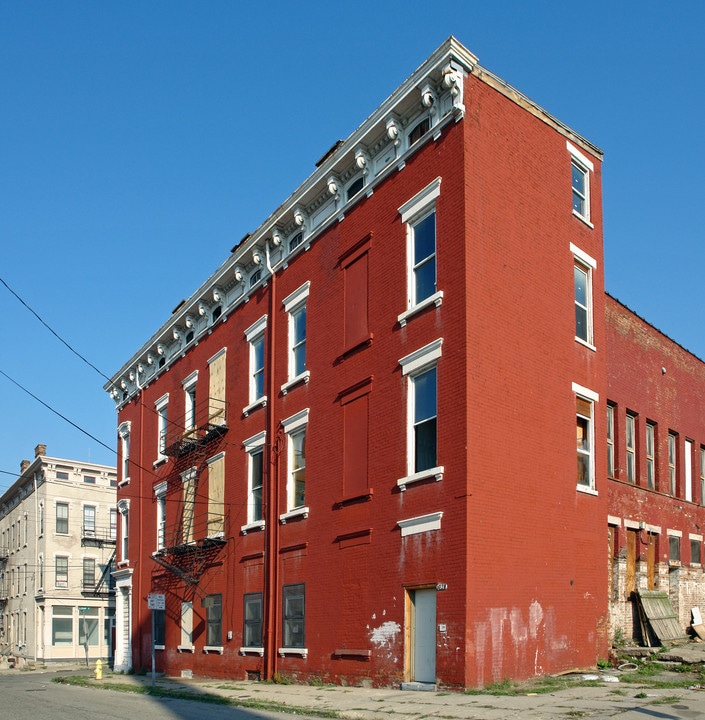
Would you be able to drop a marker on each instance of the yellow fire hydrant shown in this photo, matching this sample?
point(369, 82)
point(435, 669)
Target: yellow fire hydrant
point(98, 672)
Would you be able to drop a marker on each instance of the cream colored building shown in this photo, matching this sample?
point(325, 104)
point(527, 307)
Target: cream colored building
point(58, 527)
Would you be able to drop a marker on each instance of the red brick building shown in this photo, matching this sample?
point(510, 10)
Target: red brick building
point(656, 468)
point(350, 454)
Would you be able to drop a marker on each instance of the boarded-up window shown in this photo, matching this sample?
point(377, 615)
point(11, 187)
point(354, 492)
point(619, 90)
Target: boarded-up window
point(630, 578)
point(651, 562)
point(355, 266)
point(189, 495)
point(216, 389)
point(355, 405)
point(216, 476)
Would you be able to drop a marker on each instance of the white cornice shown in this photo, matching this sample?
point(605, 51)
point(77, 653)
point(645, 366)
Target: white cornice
point(435, 90)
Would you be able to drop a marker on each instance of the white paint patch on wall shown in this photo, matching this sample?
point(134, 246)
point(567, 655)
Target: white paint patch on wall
point(385, 634)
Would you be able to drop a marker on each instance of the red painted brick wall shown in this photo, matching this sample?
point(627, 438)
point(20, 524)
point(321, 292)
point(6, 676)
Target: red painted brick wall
point(526, 581)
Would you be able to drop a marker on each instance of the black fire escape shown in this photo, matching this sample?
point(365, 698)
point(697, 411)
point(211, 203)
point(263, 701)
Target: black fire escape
point(190, 543)
point(100, 586)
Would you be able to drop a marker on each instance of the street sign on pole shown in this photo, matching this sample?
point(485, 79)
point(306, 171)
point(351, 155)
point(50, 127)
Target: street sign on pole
point(83, 608)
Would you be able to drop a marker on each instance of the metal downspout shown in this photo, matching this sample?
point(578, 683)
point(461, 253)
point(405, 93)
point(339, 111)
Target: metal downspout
point(271, 510)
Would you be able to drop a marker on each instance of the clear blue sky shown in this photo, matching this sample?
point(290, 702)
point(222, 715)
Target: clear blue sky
point(139, 141)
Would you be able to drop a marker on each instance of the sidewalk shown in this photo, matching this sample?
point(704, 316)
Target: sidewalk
point(607, 699)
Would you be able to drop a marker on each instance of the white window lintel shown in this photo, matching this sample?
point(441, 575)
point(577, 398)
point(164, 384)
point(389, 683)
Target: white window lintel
point(580, 157)
point(422, 357)
point(422, 523)
point(293, 423)
point(257, 328)
point(297, 297)
point(421, 202)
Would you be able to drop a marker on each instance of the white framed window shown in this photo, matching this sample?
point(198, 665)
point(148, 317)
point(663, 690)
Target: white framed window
point(295, 307)
point(672, 466)
point(124, 435)
point(419, 215)
point(162, 408)
point(650, 456)
point(62, 519)
point(702, 475)
point(255, 338)
point(88, 521)
point(421, 370)
point(123, 508)
point(295, 428)
point(61, 571)
point(254, 447)
point(113, 524)
point(160, 498)
point(585, 400)
point(583, 267)
point(688, 468)
point(189, 385)
point(630, 444)
point(580, 167)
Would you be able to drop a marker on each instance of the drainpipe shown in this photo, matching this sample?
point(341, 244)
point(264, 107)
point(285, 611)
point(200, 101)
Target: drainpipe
point(271, 508)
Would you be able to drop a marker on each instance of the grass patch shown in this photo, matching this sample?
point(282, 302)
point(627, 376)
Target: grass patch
point(203, 697)
point(665, 700)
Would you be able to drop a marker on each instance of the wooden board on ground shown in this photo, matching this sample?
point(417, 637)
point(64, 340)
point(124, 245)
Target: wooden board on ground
point(656, 613)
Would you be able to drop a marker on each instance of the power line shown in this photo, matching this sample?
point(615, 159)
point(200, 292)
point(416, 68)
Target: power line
point(54, 333)
point(56, 412)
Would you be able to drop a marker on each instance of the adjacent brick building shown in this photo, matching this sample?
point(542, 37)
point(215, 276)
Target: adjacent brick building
point(350, 454)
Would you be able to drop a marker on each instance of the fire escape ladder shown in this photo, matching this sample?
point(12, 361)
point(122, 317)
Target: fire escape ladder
point(191, 543)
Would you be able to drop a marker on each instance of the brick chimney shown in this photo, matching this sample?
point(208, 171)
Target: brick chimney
point(40, 450)
point(24, 464)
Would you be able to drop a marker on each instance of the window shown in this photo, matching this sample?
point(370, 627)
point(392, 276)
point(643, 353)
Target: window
point(296, 241)
point(160, 497)
point(61, 571)
point(189, 386)
point(162, 407)
point(213, 605)
point(672, 477)
point(61, 475)
point(695, 545)
point(295, 428)
point(650, 456)
point(424, 258)
point(583, 266)
point(419, 214)
point(62, 518)
point(124, 509)
point(41, 572)
point(581, 167)
point(186, 625)
point(89, 574)
point(89, 479)
point(688, 469)
point(419, 131)
point(295, 306)
point(216, 495)
point(584, 400)
point(294, 615)
point(702, 475)
point(254, 447)
point(355, 187)
point(159, 627)
point(674, 548)
point(255, 337)
point(124, 434)
point(113, 524)
point(631, 447)
point(88, 626)
point(421, 371)
point(255, 277)
point(252, 630)
point(62, 625)
point(610, 441)
point(88, 521)
point(188, 490)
